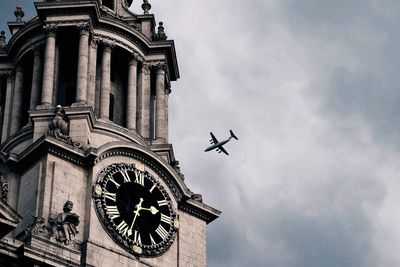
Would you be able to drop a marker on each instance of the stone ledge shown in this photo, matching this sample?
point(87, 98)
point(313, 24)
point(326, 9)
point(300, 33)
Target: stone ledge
point(44, 250)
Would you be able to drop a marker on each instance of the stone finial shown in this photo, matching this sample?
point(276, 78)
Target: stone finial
point(2, 39)
point(18, 12)
point(146, 7)
point(160, 35)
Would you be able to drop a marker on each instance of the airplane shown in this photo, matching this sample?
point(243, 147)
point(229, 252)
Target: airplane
point(218, 145)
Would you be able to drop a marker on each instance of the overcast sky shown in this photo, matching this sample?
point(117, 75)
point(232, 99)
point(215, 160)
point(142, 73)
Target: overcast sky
point(312, 90)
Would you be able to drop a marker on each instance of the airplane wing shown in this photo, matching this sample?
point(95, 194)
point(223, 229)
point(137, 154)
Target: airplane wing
point(222, 149)
point(214, 140)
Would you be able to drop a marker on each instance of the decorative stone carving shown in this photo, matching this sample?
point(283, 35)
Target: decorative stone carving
point(177, 168)
point(146, 7)
point(197, 197)
point(3, 42)
point(84, 27)
point(3, 188)
point(168, 88)
point(146, 68)
point(18, 12)
point(64, 226)
point(36, 226)
point(160, 35)
point(58, 128)
point(50, 28)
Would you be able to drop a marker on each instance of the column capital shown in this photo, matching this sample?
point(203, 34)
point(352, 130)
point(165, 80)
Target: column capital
point(84, 28)
point(106, 42)
point(37, 46)
point(136, 56)
point(6, 72)
point(161, 67)
point(50, 29)
point(145, 67)
point(94, 41)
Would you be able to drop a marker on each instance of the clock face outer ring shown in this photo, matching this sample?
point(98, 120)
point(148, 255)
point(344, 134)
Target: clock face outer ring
point(163, 240)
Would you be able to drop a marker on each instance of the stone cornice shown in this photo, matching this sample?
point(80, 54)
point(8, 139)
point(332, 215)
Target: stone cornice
point(199, 210)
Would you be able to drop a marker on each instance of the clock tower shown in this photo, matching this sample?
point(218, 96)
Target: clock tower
point(87, 174)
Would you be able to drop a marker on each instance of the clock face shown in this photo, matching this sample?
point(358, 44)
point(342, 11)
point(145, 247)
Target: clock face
point(135, 209)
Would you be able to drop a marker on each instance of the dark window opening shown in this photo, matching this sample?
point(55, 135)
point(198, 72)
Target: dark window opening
point(27, 87)
point(67, 66)
point(152, 104)
point(111, 111)
point(109, 4)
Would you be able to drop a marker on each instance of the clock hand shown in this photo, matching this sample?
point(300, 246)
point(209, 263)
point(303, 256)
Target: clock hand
point(152, 209)
point(138, 207)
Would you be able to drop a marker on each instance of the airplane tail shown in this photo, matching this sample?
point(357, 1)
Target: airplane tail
point(233, 135)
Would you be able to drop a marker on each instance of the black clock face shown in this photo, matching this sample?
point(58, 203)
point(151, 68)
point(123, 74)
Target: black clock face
point(135, 209)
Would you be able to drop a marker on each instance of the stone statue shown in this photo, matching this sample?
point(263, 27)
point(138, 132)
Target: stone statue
point(64, 226)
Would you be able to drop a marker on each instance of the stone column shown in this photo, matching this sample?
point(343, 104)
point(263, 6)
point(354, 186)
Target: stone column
point(56, 76)
point(48, 70)
point(131, 95)
point(144, 101)
point(160, 118)
point(17, 99)
point(105, 82)
point(83, 59)
point(7, 106)
point(91, 87)
point(36, 78)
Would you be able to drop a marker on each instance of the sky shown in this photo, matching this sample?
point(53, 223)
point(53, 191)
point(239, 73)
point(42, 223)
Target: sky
point(312, 90)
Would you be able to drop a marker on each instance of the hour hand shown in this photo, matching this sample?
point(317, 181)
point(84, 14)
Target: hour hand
point(152, 209)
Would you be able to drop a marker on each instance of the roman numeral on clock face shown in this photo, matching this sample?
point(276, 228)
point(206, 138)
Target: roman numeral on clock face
point(152, 241)
point(162, 232)
point(113, 212)
point(123, 228)
point(125, 175)
point(112, 180)
point(110, 195)
point(139, 177)
point(166, 219)
point(162, 202)
point(136, 237)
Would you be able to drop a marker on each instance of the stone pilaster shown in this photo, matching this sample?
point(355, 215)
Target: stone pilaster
point(48, 70)
point(36, 77)
point(7, 107)
point(160, 119)
point(105, 82)
point(16, 114)
point(83, 59)
point(144, 100)
point(131, 94)
point(91, 86)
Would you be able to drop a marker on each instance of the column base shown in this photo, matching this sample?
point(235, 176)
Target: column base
point(159, 140)
point(79, 104)
point(44, 106)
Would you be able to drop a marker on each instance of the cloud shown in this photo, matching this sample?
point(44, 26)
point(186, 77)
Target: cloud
point(311, 90)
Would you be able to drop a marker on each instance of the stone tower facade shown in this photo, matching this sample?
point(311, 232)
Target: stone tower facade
point(87, 175)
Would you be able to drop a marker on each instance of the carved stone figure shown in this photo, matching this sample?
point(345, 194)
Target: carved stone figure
point(64, 226)
point(58, 128)
point(59, 123)
point(36, 226)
